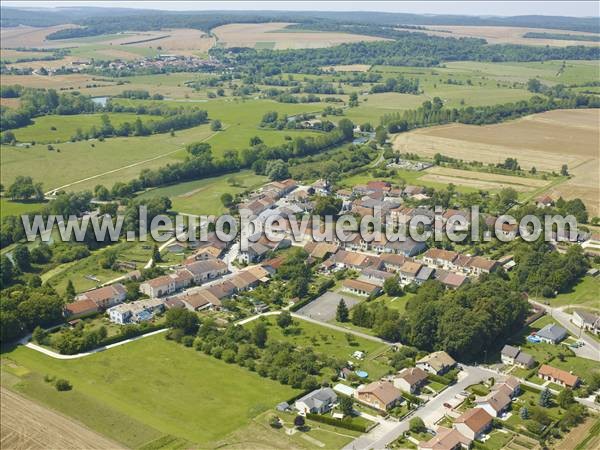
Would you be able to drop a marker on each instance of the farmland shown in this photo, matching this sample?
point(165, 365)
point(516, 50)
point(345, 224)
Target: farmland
point(26, 424)
point(182, 395)
point(546, 141)
point(275, 36)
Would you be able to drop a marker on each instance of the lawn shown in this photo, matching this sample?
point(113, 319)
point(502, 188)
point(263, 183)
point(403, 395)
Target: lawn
point(498, 439)
point(56, 128)
point(204, 196)
point(332, 343)
point(586, 292)
point(137, 392)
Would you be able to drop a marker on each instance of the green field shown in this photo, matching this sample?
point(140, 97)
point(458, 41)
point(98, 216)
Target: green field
point(137, 392)
point(123, 158)
point(241, 118)
point(585, 293)
point(41, 130)
point(204, 196)
point(13, 208)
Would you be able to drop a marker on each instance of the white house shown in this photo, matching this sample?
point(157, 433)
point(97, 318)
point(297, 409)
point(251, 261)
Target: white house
point(135, 312)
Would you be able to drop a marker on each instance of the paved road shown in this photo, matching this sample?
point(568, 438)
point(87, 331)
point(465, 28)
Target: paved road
point(432, 411)
point(591, 349)
point(25, 341)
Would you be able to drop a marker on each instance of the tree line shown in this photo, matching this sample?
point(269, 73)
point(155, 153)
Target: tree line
point(434, 113)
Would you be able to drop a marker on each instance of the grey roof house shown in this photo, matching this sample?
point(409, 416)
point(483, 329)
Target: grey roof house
point(552, 333)
point(316, 402)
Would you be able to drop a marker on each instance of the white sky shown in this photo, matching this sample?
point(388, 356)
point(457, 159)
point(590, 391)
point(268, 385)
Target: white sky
point(498, 8)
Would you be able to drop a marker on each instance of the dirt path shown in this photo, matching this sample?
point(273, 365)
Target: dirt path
point(27, 425)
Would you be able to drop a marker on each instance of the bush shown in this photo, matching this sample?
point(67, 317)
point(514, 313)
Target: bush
point(62, 385)
point(347, 424)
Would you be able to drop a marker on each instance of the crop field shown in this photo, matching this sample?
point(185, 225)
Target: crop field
point(79, 165)
point(482, 180)
point(546, 141)
point(349, 68)
point(65, 127)
point(550, 72)
point(25, 36)
point(249, 35)
point(80, 82)
point(28, 425)
point(204, 196)
point(184, 393)
point(506, 35)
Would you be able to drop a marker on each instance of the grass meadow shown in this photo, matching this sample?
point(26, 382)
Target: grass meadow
point(55, 128)
point(204, 196)
point(150, 388)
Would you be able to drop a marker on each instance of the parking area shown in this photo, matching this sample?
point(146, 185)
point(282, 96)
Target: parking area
point(324, 307)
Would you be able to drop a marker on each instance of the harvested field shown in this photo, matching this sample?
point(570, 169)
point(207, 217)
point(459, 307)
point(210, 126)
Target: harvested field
point(23, 36)
point(27, 425)
point(10, 102)
point(482, 180)
point(506, 35)
point(349, 68)
point(75, 81)
point(180, 41)
point(546, 141)
point(249, 34)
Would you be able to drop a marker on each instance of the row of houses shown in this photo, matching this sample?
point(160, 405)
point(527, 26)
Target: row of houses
point(210, 297)
point(266, 197)
point(197, 272)
point(459, 263)
point(96, 300)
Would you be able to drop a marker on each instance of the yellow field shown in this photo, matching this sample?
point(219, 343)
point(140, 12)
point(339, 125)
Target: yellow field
point(506, 35)
point(28, 425)
point(251, 34)
point(349, 68)
point(24, 36)
point(482, 180)
point(546, 141)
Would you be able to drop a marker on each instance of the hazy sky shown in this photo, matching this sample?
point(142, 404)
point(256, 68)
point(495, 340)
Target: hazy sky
point(498, 8)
